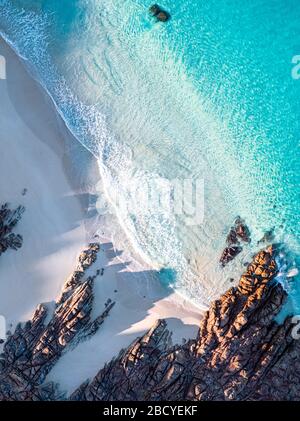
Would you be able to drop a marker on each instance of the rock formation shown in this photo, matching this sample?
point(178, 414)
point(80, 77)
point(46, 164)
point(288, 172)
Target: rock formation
point(35, 347)
point(240, 352)
point(239, 232)
point(8, 220)
point(159, 13)
point(229, 253)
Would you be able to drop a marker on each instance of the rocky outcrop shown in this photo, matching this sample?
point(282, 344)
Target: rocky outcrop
point(35, 347)
point(240, 353)
point(238, 233)
point(159, 13)
point(85, 260)
point(8, 220)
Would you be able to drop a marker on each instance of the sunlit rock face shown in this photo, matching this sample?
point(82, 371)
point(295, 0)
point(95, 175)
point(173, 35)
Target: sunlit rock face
point(35, 347)
point(240, 353)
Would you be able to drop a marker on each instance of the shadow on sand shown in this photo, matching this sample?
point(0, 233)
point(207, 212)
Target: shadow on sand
point(140, 299)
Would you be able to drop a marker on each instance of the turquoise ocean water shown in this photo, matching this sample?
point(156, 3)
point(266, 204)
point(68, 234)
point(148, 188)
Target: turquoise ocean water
point(208, 96)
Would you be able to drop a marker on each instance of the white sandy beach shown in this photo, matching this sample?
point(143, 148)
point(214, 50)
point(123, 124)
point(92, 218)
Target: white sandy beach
point(54, 231)
point(52, 225)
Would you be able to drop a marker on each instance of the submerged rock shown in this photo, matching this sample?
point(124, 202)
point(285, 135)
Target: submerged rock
point(160, 14)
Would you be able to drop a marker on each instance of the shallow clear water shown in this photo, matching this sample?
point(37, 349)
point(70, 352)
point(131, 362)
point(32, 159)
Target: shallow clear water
point(208, 96)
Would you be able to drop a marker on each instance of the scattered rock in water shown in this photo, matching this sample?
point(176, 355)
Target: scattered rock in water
point(229, 254)
point(154, 9)
point(232, 237)
point(242, 231)
point(160, 14)
point(102, 272)
point(163, 17)
point(238, 232)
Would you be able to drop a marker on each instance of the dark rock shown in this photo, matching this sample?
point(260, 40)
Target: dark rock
point(232, 237)
point(242, 231)
point(154, 9)
point(238, 232)
point(160, 14)
point(8, 220)
point(163, 16)
point(229, 254)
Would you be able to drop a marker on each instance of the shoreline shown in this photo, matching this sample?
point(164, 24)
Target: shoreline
point(141, 298)
point(86, 187)
point(33, 175)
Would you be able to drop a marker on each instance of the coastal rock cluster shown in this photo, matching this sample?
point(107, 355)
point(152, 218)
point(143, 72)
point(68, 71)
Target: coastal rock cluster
point(240, 352)
point(8, 220)
point(238, 233)
point(35, 347)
